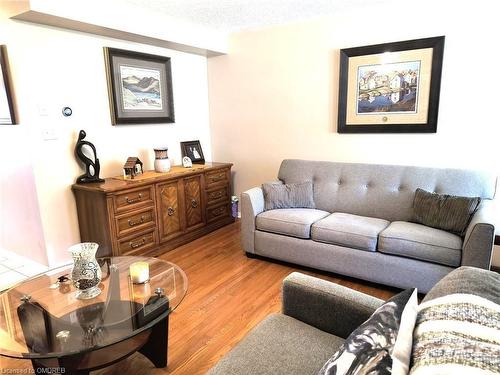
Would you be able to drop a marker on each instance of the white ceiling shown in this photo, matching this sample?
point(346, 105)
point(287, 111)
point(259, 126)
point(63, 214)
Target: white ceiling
point(236, 15)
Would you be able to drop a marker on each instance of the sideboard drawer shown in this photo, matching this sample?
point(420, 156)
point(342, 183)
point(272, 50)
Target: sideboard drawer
point(139, 243)
point(217, 212)
point(216, 177)
point(134, 198)
point(135, 221)
point(217, 195)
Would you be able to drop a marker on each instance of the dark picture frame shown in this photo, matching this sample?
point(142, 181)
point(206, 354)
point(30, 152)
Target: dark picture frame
point(7, 111)
point(193, 150)
point(139, 87)
point(391, 87)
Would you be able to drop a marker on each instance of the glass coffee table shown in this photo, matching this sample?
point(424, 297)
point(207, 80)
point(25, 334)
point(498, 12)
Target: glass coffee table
point(42, 320)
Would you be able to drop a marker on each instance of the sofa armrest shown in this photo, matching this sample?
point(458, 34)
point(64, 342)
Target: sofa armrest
point(479, 237)
point(252, 204)
point(327, 306)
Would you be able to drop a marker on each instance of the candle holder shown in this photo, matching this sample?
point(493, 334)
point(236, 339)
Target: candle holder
point(139, 272)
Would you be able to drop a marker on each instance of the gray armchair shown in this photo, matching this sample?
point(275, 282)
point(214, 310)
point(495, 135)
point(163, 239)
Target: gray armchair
point(316, 318)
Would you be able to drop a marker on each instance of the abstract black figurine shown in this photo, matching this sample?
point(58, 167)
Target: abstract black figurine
point(92, 166)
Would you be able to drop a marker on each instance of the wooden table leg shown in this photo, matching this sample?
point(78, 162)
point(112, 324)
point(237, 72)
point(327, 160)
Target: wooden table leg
point(156, 348)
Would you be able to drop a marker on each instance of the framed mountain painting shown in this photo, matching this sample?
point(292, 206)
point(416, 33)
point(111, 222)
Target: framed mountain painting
point(140, 87)
point(390, 88)
point(7, 113)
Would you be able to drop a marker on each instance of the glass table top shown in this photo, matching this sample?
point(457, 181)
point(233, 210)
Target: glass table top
point(42, 318)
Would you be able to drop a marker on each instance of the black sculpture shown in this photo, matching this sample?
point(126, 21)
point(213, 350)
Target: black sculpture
point(92, 167)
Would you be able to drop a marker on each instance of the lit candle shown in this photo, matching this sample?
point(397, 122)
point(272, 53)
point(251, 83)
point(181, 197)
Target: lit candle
point(139, 272)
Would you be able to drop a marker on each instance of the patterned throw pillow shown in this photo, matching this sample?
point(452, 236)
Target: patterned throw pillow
point(382, 344)
point(441, 211)
point(297, 195)
point(457, 334)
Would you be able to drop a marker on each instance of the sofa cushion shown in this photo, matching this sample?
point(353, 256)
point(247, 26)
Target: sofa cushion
point(294, 222)
point(468, 280)
point(421, 242)
point(359, 232)
point(279, 345)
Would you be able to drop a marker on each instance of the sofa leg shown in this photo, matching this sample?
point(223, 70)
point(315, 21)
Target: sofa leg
point(250, 255)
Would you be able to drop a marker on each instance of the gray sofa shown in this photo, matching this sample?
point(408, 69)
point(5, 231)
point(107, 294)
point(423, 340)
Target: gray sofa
point(361, 225)
point(317, 316)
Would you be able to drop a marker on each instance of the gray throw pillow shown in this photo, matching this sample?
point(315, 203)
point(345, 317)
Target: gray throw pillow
point(297, 195)
point(441, 211)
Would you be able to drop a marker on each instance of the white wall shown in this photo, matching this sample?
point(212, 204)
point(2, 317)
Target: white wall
point(277, 90)
point(274, 96)
point(20, 221)
point(52, 68)
point(495, 260)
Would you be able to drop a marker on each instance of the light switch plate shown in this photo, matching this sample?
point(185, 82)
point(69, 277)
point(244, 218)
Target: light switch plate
point(49, 134)
point(43, 110)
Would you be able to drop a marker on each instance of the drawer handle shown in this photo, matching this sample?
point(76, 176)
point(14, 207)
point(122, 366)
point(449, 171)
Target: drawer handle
point(135, 245)
point(218, 211)
point(194, 204)
point(170, 211)
point(137, 222)
point(134, 200)
point(219, 177)
point(216, 195)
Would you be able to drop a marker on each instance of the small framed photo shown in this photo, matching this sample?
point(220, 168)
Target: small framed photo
point(139, 87)
point(192, 149)
point(186, 162)
point(7, 113)
point(391, 87)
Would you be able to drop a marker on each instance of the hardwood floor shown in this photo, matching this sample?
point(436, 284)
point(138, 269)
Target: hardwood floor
point(228, 295)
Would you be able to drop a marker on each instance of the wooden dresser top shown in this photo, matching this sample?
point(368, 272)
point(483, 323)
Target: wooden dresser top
point(118, 183)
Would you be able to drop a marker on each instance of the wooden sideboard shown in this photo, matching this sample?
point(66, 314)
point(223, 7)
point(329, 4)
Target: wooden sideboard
point(154, 212)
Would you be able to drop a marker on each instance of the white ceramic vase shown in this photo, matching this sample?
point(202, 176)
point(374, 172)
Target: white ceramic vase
point(162, 165)
point(162, 162)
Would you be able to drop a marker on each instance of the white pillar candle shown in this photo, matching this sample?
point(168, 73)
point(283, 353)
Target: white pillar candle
point(139, 272)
